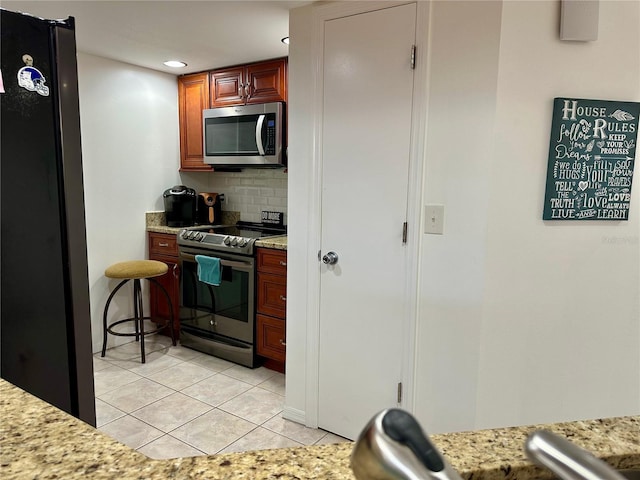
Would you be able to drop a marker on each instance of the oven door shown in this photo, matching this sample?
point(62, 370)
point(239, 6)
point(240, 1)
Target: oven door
point(226, 310)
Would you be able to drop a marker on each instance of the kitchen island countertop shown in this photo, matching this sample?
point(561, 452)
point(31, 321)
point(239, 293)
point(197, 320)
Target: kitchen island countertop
point(39, 441)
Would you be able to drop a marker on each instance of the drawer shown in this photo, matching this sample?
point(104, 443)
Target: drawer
point(272, 261)
point(163, 244)
point(271, 339)
point(272, 294)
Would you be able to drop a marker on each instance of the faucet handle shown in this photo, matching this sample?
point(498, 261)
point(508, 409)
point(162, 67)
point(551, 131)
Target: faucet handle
point(392, 446)
point(404, 429)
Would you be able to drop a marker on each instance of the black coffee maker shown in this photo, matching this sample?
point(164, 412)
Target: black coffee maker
point(180, 206)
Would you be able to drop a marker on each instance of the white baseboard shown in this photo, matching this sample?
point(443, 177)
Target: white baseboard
point(295, 415)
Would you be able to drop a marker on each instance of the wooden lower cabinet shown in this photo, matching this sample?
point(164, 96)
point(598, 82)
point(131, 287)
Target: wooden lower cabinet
point(271, 307)
point(271, 337)
point(163, 247)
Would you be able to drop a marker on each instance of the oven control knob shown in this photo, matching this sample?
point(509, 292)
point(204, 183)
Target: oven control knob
point(184, 233)
point(227, 240)
point(234, 242)
point(199, 236)
point(243, 242)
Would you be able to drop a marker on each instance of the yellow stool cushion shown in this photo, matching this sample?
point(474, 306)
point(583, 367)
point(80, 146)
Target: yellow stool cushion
point(136, 269)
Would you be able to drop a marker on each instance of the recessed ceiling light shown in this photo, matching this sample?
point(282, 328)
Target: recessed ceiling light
point(285, 40)
point(175, 63)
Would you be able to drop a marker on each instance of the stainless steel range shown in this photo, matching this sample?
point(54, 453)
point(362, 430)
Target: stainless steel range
point(220, 320)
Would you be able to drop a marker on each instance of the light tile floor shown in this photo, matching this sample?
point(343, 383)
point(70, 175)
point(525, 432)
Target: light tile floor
point(183, 403)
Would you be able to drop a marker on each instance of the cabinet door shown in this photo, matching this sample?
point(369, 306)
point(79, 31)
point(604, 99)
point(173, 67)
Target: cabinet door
point(267, 82)
point(163, 244)
point(227, 87)
point(157, 300)
point(271, 340)
point(163, 247)
point(272, 261)
point(272, 294)
point(193, 98)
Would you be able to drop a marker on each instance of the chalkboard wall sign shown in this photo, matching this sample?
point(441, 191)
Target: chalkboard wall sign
point(591, 157)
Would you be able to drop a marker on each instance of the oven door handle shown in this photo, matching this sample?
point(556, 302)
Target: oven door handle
point(224, 263)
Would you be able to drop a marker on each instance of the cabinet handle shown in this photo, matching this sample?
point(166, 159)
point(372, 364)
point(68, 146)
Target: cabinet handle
point(283, 343)
point(175, 271)
point(284, 264)
point(283, 298)
point(163, 244)
point(247, 90)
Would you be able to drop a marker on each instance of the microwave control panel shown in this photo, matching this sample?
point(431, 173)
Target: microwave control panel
point(270, 133)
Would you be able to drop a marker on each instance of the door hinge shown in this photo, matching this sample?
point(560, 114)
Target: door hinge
point(413, 57)
point(400, 392)
point(404, 232)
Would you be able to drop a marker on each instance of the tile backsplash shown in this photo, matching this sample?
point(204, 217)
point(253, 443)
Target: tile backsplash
point(249, 192)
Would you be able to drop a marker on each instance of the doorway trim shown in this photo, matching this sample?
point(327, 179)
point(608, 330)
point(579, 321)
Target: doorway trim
point(320, 15)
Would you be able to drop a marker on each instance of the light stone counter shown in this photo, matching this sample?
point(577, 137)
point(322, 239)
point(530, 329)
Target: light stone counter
point(156, 222)
point(278, 243)
point(38, 441)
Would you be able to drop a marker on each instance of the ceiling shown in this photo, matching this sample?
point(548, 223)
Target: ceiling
point(205, 34)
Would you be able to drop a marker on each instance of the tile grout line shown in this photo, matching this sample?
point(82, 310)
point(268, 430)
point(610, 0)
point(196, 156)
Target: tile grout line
point(165, 350)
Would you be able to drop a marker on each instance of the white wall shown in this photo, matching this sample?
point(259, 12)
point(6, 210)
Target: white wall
point(520, 321)
point(130, 149)
point(561, 317)
point(301, 145)
point(462, 79)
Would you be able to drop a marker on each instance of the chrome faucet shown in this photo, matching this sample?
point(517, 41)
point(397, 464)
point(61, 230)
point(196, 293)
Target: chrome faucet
point(393, 447)
point(565, 459)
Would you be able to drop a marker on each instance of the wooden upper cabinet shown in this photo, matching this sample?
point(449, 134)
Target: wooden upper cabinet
point(227, 87)
point(193, 98)
point(267, 82)
point(261, 82)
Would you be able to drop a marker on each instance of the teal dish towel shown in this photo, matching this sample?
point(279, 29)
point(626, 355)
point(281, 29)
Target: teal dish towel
point(209, 269)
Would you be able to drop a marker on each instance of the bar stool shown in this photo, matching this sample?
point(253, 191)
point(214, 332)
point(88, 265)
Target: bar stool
point(136, 270)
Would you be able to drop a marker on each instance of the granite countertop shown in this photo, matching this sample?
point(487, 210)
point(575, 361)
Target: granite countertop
point(278, 243)
point(39, 441)
point(163, 229)
point(156, 222)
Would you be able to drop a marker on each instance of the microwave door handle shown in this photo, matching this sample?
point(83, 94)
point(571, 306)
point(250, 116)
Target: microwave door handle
point(259, 126)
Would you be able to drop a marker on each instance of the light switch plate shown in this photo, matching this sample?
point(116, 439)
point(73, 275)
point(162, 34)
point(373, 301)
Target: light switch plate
point(434, 219)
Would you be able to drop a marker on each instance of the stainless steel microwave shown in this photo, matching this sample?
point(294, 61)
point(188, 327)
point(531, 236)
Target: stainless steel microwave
point(244, 136)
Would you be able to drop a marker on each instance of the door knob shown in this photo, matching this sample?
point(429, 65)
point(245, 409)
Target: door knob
point(330, 258)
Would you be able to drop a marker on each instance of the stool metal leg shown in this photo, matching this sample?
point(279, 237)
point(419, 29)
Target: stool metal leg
point(136, 309)
point(139, 318)
point(104, 315)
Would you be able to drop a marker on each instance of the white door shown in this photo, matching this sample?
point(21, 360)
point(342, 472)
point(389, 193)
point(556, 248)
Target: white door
point(366, 134)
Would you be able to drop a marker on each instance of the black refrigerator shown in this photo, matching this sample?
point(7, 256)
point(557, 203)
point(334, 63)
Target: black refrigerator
point(45, 329)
